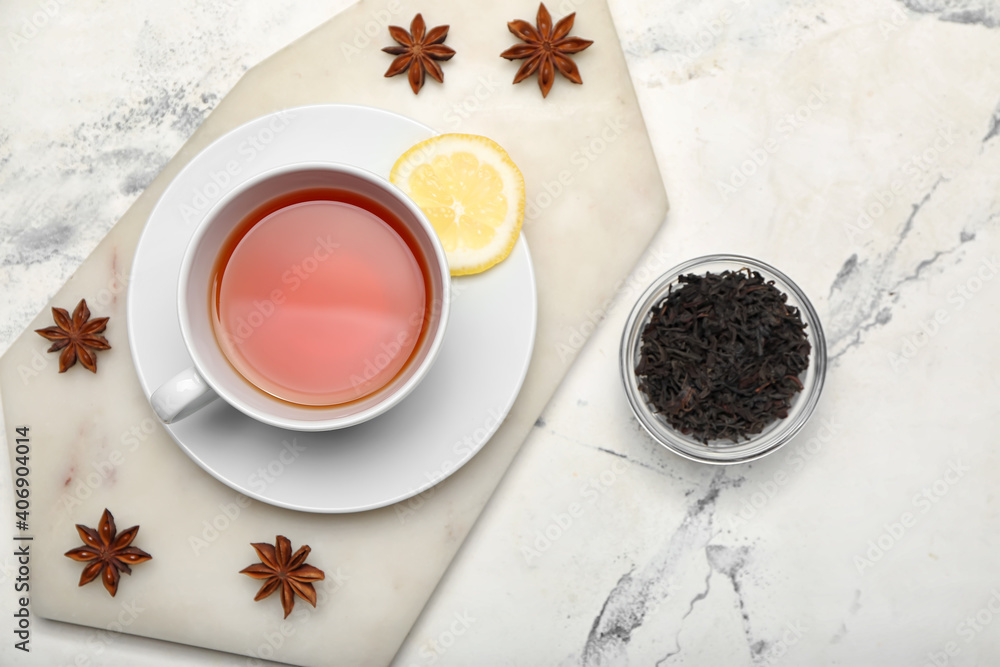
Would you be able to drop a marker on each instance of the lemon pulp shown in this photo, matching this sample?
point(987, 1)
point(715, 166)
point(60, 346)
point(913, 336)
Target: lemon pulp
point(472, 193)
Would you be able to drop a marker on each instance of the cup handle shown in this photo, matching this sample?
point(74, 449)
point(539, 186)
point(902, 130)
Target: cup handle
point(181, 396)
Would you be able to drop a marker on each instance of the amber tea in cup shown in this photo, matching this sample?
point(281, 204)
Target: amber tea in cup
point(318, 296)
point(312, 296)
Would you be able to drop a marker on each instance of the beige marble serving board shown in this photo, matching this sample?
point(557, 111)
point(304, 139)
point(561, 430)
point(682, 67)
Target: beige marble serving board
point(595, 198)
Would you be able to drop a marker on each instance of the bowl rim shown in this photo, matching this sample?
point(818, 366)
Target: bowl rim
point(759, 445)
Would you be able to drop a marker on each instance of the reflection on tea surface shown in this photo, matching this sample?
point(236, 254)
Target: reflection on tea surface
point(321, 300)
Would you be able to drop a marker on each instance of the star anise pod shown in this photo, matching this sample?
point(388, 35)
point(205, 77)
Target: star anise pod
point(278, 566)
point(76, 336)
point(108, 552)
point(546, 49)
point(418, 52)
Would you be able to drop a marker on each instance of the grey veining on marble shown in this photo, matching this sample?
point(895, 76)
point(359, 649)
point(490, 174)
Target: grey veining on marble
point(985, 12)
point(854, 145)
point(97, 97)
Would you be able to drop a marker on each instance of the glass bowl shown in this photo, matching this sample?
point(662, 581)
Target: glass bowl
point(778, 432)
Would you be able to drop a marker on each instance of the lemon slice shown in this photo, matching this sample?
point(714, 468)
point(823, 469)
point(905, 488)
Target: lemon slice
point(472, 193)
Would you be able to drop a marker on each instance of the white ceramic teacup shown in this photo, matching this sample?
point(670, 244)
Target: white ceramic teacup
point(213, 376)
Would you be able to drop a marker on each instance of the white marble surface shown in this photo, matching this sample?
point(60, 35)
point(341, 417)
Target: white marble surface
point(886, 107)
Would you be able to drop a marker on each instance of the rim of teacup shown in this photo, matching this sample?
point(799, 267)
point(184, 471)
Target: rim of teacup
point(385, 402)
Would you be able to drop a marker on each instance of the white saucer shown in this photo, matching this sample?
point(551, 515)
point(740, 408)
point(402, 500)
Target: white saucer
point(432, 433)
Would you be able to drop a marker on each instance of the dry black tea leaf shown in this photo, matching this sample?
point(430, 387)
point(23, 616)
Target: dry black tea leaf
point(721, 356)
